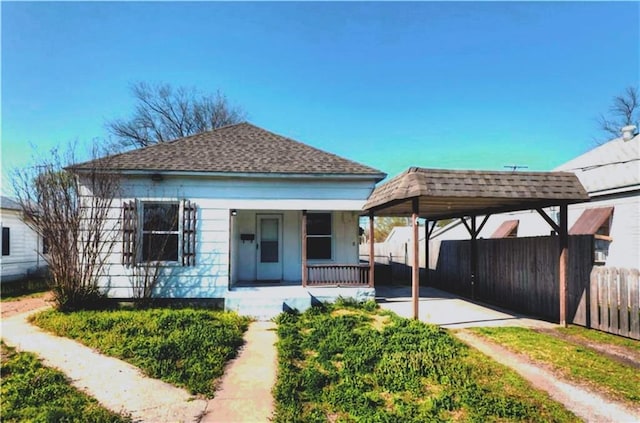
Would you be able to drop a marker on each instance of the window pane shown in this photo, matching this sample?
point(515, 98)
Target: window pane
point(269, 229)
point(269, 251)
point(160, 247)
point(319, 224)
point(5, 241)
point(319, 248)
point(160, 217)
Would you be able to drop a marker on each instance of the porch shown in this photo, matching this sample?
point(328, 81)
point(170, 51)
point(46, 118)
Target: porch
point(295, 248)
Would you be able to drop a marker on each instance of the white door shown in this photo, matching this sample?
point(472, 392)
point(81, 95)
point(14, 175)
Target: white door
point(269, 251)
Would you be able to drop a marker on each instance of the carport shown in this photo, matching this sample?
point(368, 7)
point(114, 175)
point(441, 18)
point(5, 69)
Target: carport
point(437, 194)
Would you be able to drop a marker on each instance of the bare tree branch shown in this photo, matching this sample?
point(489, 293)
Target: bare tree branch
point(624, 111)
point(70, 212)
point(163, 113)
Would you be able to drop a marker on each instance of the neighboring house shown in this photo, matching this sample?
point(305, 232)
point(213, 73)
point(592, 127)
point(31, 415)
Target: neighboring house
point(22, 248)
point(611, 175)
point(238, 209)
point(396, 247)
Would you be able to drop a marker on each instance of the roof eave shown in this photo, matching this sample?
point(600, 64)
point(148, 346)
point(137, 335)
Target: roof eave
point(267, 175)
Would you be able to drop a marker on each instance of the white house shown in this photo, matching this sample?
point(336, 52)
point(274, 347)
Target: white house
point(235, 212)
point(611, 175)
point(22, 248)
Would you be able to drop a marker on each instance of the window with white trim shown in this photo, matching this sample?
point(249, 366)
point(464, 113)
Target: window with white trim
point(154, 231)
point(160, 231)
point(319, 236)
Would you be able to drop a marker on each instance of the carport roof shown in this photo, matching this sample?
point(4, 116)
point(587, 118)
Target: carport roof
point(446, 194)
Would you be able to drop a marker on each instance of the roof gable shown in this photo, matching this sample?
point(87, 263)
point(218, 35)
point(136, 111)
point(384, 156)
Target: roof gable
point(239, 148)
point(443, 193)
point(613, 165)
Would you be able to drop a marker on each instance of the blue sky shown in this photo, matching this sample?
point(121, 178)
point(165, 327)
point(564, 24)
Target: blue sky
point(391, 85)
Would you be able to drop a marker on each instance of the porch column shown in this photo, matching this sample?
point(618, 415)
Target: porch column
point(372, 251)
point(415, 267)
point(563, 265)
point(304, 248)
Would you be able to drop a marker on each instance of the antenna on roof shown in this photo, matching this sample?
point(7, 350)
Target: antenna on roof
point(515, 167)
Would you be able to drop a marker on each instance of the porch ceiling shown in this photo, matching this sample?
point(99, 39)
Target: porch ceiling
point(443, 194)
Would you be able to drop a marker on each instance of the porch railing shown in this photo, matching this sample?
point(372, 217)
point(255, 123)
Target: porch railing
point(338, 274)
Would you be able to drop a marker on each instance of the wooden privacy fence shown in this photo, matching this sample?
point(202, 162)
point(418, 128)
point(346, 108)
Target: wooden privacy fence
point(615, 301)
point(520, 274)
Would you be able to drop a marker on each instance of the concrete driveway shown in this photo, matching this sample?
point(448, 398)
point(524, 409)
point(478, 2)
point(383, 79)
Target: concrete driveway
point(450, 311)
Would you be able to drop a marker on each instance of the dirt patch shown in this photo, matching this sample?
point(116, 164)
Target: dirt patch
point(618, 353)
point(11, 308)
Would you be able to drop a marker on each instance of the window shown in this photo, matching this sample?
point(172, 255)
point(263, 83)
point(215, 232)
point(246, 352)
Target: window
point(5, 241)
point(319, 236)
point(168, 232)
point(45, 246)
point(160, 231)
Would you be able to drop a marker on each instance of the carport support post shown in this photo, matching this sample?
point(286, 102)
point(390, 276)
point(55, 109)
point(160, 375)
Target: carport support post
point(474, 256)
point(563, 265)
point(415, 269)
point(372, 251)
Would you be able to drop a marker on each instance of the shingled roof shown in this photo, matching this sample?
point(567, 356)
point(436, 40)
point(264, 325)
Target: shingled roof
point(239, 148)
point(455, 193)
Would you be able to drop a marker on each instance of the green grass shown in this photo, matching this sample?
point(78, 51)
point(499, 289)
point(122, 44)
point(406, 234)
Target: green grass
point(33, 392)
point(600, 337)
point(574, 361)
point(23, 296)
point(186, 347)
point(29, 288)
point(349, 363)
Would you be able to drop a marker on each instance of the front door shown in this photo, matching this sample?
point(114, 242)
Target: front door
point(269, 248)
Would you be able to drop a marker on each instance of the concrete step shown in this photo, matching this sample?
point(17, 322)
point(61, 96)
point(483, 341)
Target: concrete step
point(264, 307)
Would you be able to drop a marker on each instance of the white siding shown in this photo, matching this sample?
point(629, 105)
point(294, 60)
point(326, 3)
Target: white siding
point(23, 258)
point(215, 238)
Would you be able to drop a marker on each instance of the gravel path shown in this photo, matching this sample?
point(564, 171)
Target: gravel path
point(584, 403)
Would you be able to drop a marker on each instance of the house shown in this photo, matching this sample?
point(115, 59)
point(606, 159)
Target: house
point(22, 247)
point(611, 175)
point(238, 214)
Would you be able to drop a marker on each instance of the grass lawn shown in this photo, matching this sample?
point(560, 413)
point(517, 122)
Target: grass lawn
point(33, 392)
point(574, 361)
point(350, 363)
point(600, 337)
point(22, 296)
point(17, 290)
point(186, 347)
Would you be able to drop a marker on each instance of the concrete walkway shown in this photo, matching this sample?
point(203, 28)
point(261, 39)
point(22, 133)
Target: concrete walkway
point(117, 385)
point(450, 311)
point(245, 392)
